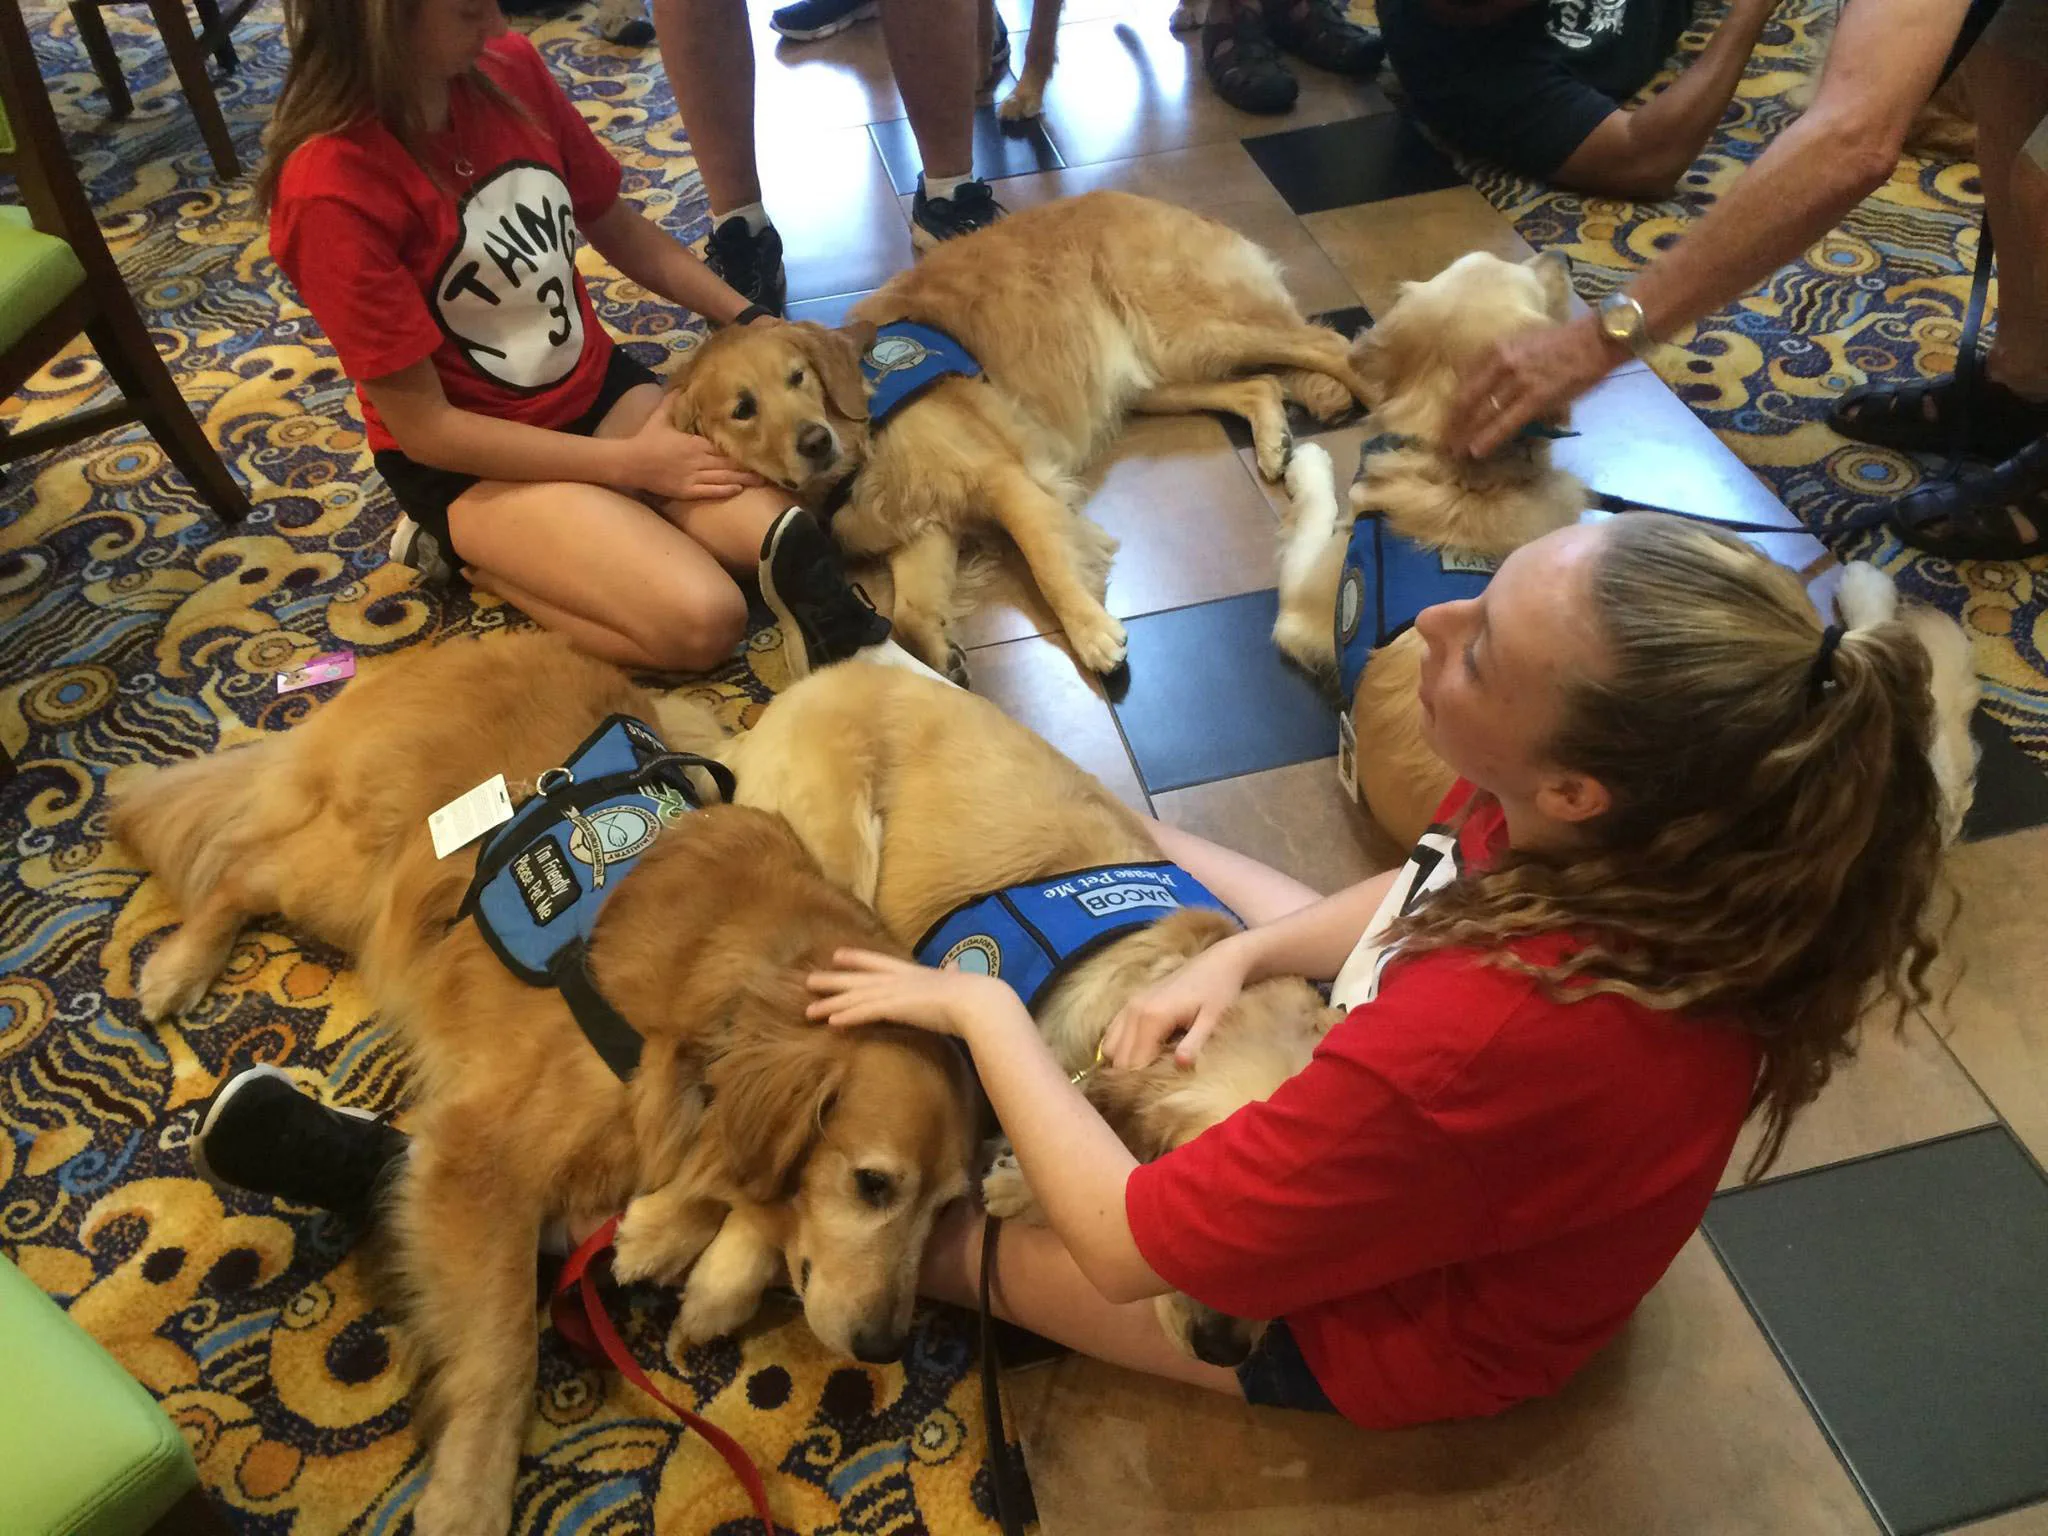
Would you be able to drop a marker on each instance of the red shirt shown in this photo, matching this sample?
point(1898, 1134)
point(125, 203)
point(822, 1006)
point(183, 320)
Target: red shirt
point(477, 272)
point(1468, 1189)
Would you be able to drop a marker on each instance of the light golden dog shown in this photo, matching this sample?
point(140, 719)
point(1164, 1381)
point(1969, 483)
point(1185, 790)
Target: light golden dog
point(1079, 312)
point(929, 797)
point(1410, 361)
point(748, 1135)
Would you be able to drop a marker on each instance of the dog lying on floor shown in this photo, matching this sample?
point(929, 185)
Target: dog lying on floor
point(932, 798)
point(1424, 526)
point(1015, 353)
point(749, 1135)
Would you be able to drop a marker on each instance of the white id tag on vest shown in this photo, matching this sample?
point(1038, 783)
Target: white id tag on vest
point(468, 817)
point(1347, 754)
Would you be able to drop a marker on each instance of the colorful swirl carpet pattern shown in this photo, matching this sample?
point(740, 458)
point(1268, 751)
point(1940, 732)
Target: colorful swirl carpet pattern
point(133, 633)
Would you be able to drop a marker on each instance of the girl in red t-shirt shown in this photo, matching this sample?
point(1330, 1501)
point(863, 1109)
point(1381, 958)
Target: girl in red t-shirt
point(428, 183)
point(1698, 830)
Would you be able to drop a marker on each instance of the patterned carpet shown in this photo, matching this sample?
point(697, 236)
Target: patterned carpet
point(132, 633)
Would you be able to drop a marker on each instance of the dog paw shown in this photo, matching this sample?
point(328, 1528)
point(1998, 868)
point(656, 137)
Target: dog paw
point(1099, 643)
point(1311, 474)
point(644, 1251)
point(956, 668)
point(713, 1311)
point(1021, 105)
point(1006, 1194)
point(170, 982)
point(1276, 452)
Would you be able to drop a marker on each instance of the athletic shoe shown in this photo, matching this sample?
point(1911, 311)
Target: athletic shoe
point(412, 545)
point(262, 1134)
point(625, 23)
point(971, 206)
point(809, 20)
point(824, 617)
point(751, 264)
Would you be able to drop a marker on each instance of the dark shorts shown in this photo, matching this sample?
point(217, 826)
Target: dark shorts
point(425, 493)
point(1511, 93)
point(1277, 1377)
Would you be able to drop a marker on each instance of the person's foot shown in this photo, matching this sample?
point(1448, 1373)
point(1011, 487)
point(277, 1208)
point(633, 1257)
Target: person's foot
point(968, 207)
point(412, 545)
point(751, 264)
point(824, 617)
point(261, 1134)
point(1319, 33)
point(1932, 416)
point(808, 20)
point(1243, 65)
point(1999, 515)
point(998, 56)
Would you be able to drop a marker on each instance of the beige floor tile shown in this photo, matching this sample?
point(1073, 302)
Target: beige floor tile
point(842, 231)
point(1038, 683)
point(841, 81)
point(1997, 965)
point(1127, 88)
point(1901, 1088)
point(1686, 1426)
point(1379, 246)
point(1296, 819)
point(2031, 1521)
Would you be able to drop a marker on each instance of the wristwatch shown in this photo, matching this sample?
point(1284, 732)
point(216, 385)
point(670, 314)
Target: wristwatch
point(1621, 320)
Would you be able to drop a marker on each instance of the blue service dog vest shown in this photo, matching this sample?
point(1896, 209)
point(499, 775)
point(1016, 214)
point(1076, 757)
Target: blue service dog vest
point(905, 360)
point(1030, 935)
point(543, 878)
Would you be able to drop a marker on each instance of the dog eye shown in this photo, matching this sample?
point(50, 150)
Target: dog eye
point(878, 1189)
point(796, 379)
point(743, 408)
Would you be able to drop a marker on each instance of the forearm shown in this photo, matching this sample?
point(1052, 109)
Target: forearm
point(446, 437)
point(645, 253)
point(1076, 1166)
point(1673, 126)
point(1316, 940)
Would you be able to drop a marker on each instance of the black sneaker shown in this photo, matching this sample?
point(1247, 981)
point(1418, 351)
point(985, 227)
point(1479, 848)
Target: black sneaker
point(625, 23)
point(260, 1133)
point(751, 264)
point(971, 206)
point(413, 546)
point(824, 617)
point(809, 20)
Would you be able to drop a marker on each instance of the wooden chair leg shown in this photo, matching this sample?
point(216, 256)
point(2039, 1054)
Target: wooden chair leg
point(131, 358)
point(182, 45)
point(224, 50)
point(192, 1515)
point(92, 31)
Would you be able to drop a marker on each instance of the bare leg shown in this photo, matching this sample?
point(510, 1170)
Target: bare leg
point(708, 54)
point(1038, 1285)
point(1254, 891)
point(931, 49)
point(2009, 97)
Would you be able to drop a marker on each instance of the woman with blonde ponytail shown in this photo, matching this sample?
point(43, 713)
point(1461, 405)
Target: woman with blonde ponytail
point(1695, 838)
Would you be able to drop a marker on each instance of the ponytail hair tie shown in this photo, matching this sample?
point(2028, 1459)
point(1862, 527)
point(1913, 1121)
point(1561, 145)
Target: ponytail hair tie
point(1824, 662)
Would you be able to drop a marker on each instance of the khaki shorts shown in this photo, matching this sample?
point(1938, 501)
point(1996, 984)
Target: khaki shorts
point(2020, 29)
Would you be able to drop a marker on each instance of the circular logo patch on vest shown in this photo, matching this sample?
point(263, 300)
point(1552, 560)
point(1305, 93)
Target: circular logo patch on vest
point(893, 354)
point(977, 955)
point(1350, 604)
point(623, 830)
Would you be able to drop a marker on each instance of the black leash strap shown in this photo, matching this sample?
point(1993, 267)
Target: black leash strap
point(1004, 1459)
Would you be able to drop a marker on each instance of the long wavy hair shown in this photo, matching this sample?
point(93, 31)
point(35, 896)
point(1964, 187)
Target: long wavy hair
point(1773, 848)
point(350, 61)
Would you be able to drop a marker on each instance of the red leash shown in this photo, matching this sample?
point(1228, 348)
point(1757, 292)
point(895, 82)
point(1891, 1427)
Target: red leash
point(591, 1331)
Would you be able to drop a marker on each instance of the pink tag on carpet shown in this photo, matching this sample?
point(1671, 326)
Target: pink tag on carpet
point(328, 667)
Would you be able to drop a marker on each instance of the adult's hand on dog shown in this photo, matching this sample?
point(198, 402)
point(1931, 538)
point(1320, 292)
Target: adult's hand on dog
point(678, 465)
point(1530, 377)
point(871, 988)
point(1188, 1003)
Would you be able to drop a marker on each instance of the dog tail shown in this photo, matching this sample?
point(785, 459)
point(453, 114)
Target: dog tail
point(193, 822)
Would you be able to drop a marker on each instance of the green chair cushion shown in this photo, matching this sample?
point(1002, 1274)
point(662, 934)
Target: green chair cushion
point(84, 1450)
point(37, 273)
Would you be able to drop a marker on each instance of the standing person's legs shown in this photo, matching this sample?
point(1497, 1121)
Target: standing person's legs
point(2007, 80)
point(932, 47)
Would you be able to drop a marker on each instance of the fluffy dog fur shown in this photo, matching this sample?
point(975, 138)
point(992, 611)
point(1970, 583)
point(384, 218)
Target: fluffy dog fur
point(747, 1134)
point(1410, 362)
point(930, 796)
point(1079, 312)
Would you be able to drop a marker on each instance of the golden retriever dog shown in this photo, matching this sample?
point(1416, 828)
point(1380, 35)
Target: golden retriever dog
point(1410, 362)
point(1079, 313)
point(747, 1139)
point(929, 797)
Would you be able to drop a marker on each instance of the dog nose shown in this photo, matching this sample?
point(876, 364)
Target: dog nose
point(1220, 1340)
point(877, 1346)
point(814, 440)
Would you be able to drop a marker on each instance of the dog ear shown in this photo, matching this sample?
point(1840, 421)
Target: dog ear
point(680, 404)
point(1553, 269)
point(769, 1097)
point(1377, 358)
point(836, 355)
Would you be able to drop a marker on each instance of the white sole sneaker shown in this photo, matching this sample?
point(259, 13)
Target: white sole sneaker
point(227, 1091)
point(852, 18)
point(890, 654)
